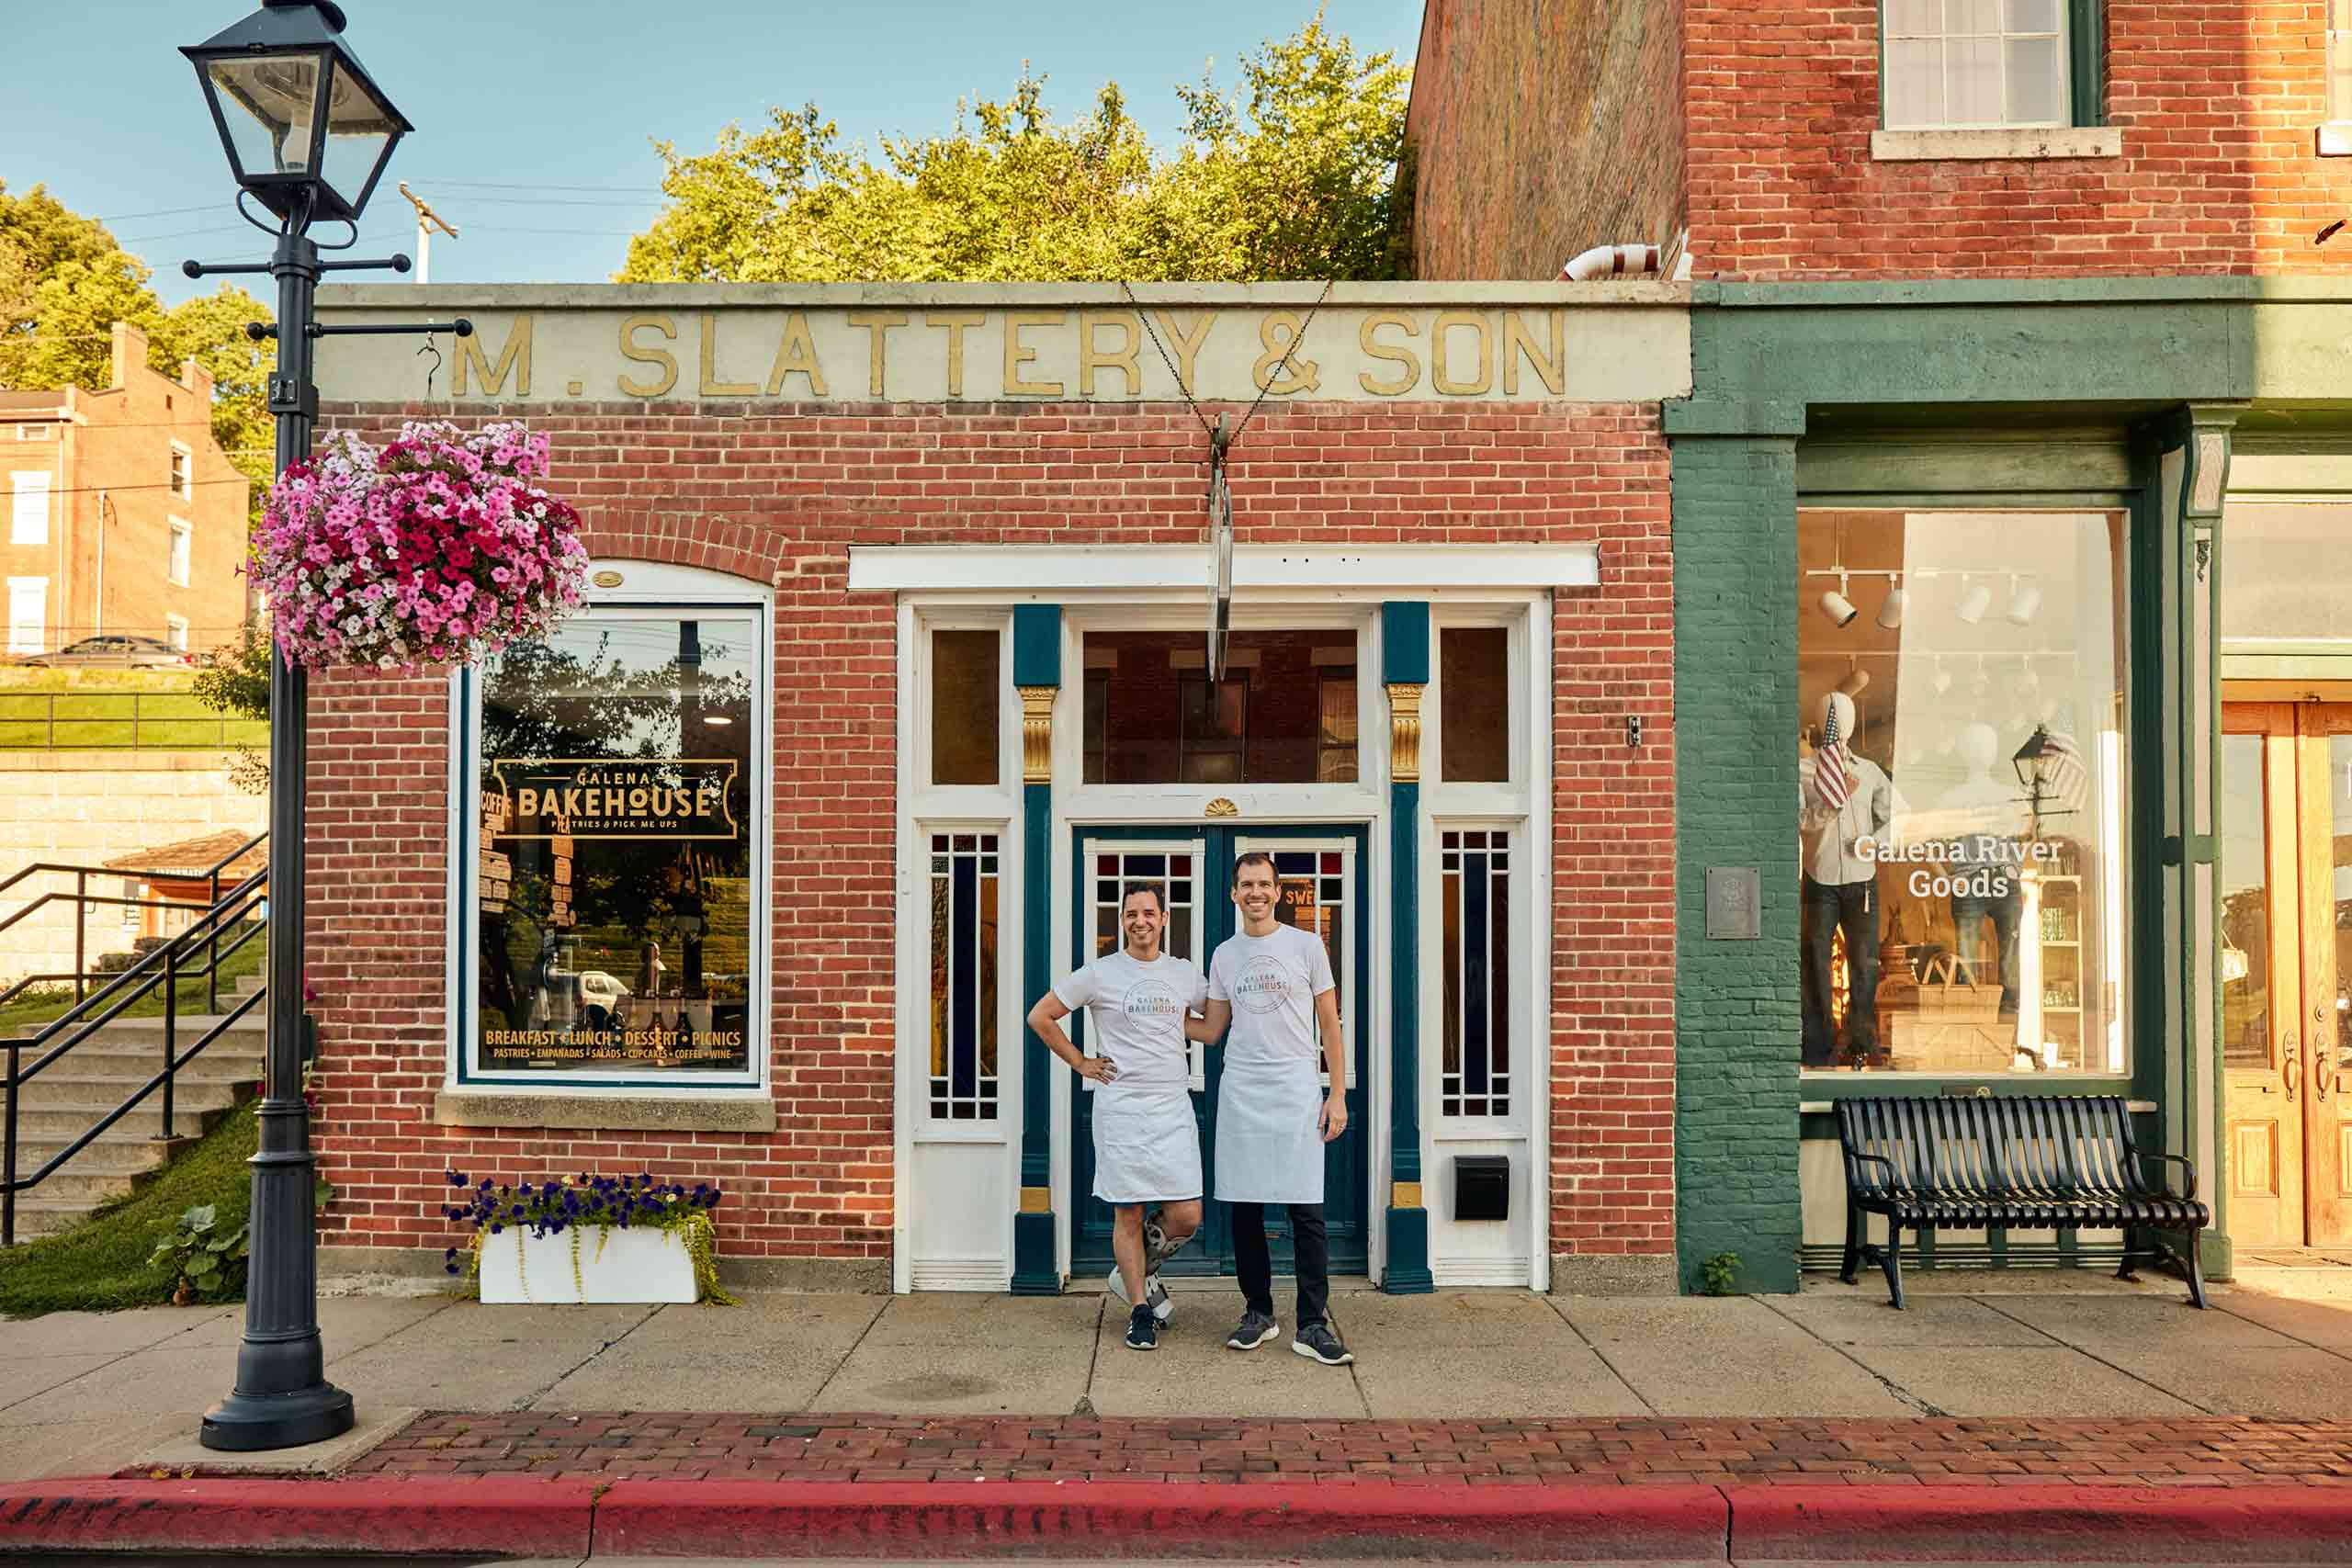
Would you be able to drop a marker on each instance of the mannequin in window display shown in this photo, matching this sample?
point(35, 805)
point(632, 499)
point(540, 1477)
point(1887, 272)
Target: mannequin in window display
point(1842, 818)
point(1981, 815)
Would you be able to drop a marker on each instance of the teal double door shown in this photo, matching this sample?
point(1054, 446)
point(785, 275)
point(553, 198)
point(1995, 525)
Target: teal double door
point(1322, 874)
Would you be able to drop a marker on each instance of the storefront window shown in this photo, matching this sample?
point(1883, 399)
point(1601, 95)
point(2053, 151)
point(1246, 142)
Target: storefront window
point(1960, 780)
point(618, 813)
point(1285, 711)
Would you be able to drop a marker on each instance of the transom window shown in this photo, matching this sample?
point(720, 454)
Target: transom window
point(1975, 62)
point(1284, 711)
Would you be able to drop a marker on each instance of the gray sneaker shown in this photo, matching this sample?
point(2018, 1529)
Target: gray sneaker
point(1163, 1306)
point(1316, 1342)
point(1254, 1329)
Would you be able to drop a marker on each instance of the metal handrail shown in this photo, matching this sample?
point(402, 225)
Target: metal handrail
point(197, 949)
point(83, 898)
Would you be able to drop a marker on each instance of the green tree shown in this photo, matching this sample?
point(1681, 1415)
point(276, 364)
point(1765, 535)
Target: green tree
point(64, 282)
point(1290, 175)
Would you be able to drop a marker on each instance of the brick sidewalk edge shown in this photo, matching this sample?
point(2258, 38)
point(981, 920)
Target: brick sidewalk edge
point(1664, 1523)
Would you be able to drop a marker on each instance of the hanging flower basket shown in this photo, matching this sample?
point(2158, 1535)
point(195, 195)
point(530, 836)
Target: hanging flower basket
point(437, 548)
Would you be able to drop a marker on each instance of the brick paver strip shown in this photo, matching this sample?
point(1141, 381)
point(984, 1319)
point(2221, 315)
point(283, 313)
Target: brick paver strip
point(2213, 1451)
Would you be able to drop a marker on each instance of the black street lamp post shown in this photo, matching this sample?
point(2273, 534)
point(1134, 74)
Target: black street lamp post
point(308, 136)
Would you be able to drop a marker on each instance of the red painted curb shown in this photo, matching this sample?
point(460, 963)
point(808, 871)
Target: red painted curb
point(924, 1521)
point(2055, 1523)
point(537, 1519)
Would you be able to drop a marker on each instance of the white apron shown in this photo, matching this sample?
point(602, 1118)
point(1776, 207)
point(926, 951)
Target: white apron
point(1147, 1145)
point(1269, 1140)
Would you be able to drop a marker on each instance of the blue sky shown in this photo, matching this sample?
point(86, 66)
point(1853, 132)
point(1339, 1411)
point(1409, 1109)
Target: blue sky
point(534, 119)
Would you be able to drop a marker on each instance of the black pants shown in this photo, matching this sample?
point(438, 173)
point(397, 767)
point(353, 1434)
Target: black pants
point(1255, 1265)
point(1969, 913)
point(1829, 908)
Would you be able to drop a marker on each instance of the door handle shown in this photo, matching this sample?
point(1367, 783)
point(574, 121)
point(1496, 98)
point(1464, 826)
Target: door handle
point(2293, 1072)
point(2323, 1054)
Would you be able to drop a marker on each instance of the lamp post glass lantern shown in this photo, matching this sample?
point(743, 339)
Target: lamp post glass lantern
point(307, 135)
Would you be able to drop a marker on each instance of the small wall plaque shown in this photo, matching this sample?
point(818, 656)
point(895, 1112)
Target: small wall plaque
point(606, 579)
point(1735, 903)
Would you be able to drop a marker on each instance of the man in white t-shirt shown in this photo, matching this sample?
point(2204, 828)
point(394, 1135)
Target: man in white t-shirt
point(1147, 1147)
point(1273, 983)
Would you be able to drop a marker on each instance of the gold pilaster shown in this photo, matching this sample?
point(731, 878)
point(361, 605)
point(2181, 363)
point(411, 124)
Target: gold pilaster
point(1038, 734)
point(1405, 731)
point(1037, 1201)
point(1404, 1194)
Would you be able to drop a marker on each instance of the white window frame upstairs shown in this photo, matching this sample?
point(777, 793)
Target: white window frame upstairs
point(2335, 131)
point(28, 634)
point(179, 563)
point(182, 470)
point(28, 524)
point(1897, 116)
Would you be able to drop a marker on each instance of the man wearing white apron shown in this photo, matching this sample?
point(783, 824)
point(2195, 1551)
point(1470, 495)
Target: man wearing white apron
point(1147, 1147)
point(1272, 983)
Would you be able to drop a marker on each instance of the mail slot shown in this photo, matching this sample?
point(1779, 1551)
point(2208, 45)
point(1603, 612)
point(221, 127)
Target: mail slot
point(1482, 1187)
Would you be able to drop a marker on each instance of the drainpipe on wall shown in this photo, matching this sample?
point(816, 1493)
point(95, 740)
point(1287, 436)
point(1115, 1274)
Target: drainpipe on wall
point(1610, 261)
point(98, 609)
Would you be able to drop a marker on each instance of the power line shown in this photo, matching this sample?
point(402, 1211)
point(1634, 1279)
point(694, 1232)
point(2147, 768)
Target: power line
point(159, 212)
point(513, 184)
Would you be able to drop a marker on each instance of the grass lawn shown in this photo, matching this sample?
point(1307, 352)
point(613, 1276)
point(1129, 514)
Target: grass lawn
point(20, 1018)
point(101, 1264)
point(151, 716)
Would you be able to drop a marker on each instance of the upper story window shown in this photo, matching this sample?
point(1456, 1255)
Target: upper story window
point(2339, 59)
point(32, 433)
point(28, 513)
point(1951, 64)
point(182, 472)
point(181, 537)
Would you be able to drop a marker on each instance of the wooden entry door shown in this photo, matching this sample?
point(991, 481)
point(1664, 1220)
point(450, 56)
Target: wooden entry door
point(2286, 962)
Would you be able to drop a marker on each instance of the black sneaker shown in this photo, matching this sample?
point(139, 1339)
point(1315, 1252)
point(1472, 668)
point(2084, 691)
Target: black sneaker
point(1143, 1330)
point(1254, 1329)
point(1316, 1342)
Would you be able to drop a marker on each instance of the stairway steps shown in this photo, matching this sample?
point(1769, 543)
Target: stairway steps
point(64, 1123)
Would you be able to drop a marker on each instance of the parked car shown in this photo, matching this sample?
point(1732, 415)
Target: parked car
point(114, 652)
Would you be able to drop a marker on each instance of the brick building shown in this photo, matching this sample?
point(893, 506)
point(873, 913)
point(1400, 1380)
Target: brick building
point(900, 622)
point(125, 515)
point(2017, 448)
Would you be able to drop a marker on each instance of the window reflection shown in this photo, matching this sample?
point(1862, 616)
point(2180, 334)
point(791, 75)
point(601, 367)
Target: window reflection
point(1961, 809)
point(616, 816)
point(1285, 711)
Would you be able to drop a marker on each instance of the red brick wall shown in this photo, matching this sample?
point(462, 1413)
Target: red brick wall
point(2217, 105)
point(1538, 131)
point(778, 496)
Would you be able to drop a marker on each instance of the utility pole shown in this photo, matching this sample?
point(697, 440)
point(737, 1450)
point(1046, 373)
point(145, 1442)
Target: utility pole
point(426, 221)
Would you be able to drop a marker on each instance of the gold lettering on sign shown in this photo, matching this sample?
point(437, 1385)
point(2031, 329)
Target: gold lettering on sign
point(712, 387)
point(1305, 375)
point(795, 355)
point(1448, 321)
point(663, 357)
point(877, 325)
point(952, 323)
point(1091, 359)
point(1550, 368)
point(1407, 378)
point(1187, 344)
point(514, 360)
point(1017, 354)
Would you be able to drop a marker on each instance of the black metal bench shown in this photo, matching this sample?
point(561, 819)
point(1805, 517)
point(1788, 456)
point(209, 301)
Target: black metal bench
point(2039, 1161)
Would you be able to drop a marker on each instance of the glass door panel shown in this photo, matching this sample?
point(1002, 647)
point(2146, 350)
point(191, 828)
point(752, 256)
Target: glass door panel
point(2325, 737)
point(2262, 1070)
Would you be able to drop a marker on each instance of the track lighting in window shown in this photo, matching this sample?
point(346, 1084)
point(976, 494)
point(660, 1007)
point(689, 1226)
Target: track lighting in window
point(1976, 598)
point(721, 719)
point(1855, 678)
point(1837, 606)
point(2025, 603)
point(1889, 613)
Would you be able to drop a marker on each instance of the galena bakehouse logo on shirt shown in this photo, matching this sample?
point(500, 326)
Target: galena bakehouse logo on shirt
point(1151, 999)
point(1264, 985)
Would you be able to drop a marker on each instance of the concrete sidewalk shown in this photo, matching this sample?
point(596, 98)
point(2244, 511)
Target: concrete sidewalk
point(89, 1393)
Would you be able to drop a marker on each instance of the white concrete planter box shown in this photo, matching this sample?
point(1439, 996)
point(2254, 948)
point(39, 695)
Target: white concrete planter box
point(634, 1265)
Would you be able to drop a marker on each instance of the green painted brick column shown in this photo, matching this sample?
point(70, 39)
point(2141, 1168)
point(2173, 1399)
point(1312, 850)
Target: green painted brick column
point(1405, 672)
point(1737, 1002)
point(1037, 675)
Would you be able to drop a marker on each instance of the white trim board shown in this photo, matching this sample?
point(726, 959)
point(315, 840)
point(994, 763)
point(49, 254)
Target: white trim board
point(1025, 571)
